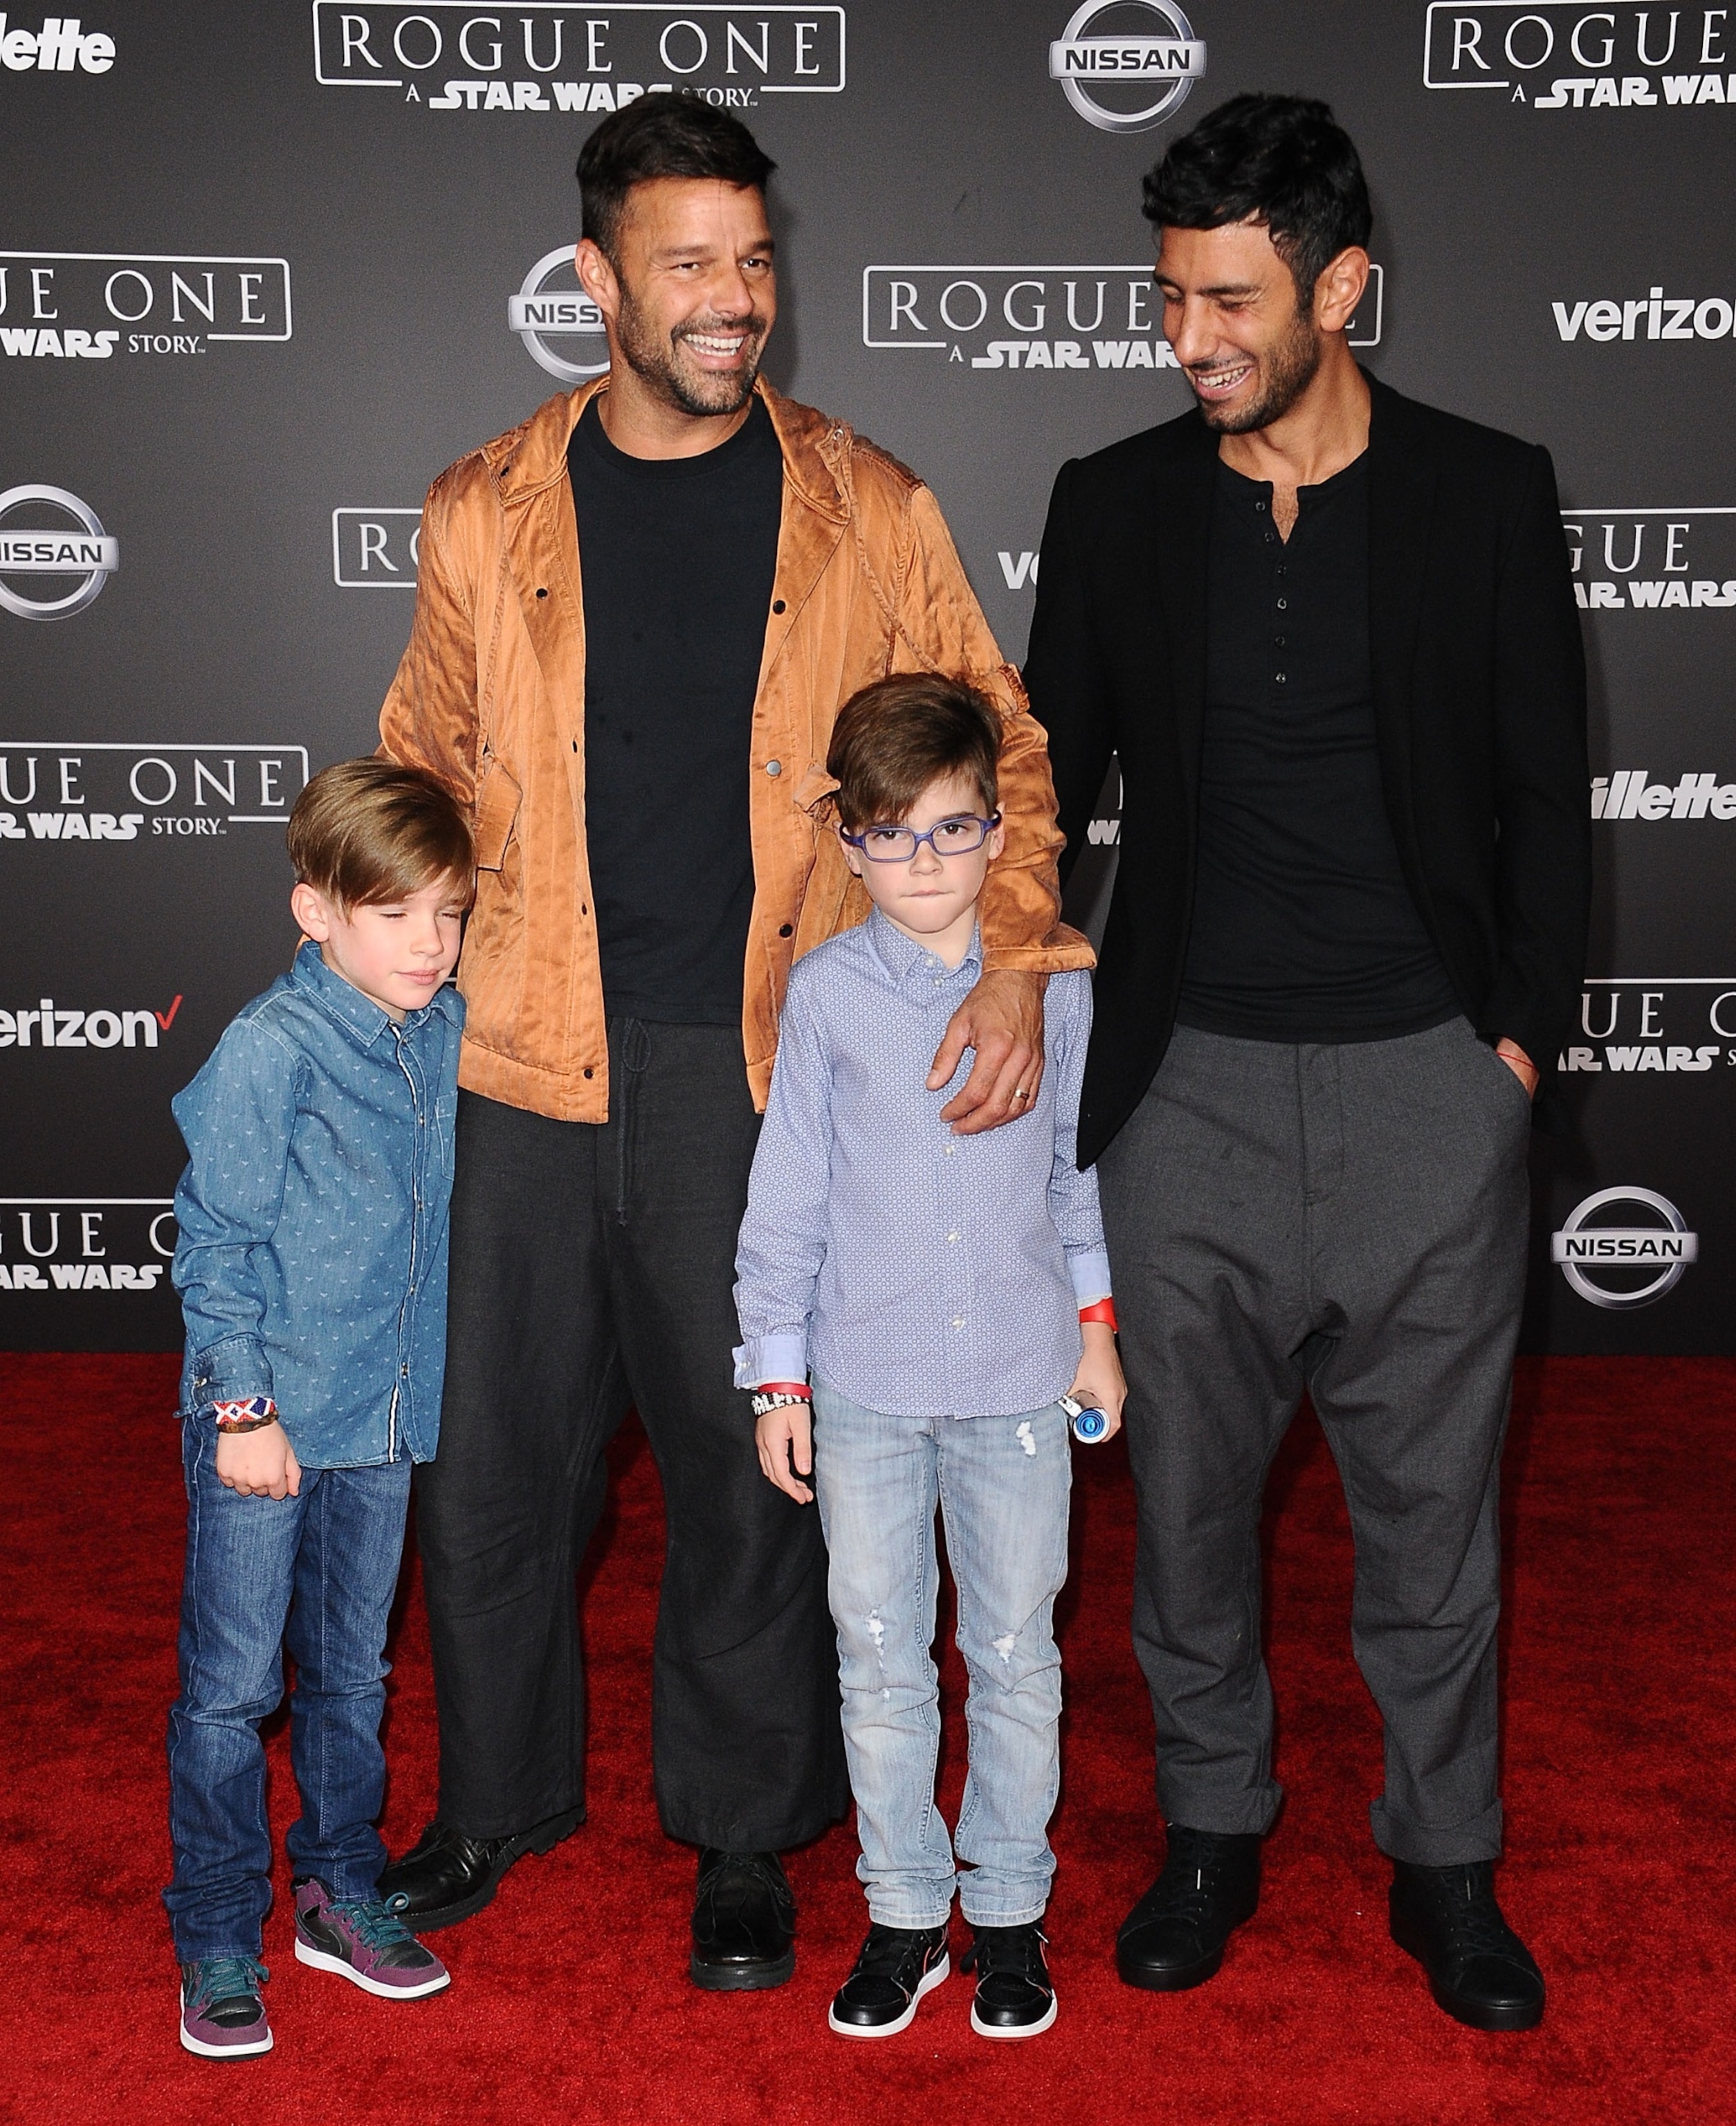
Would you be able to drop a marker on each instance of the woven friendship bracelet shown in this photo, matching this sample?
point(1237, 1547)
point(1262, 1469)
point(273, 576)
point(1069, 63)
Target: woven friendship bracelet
point(250, 1414)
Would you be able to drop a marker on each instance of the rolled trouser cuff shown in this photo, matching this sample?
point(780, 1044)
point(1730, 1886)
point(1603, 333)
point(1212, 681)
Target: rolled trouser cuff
point(1437, 1845)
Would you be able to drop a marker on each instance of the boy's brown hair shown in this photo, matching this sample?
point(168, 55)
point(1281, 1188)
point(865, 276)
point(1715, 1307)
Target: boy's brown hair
point(368, 831)
point(895, 737)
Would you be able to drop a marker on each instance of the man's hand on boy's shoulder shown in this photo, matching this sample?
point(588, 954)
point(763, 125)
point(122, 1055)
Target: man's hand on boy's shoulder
point(1002, 1020)
point(258, 1465)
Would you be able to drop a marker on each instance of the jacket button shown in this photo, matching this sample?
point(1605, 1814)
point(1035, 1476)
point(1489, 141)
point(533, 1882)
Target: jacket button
point(540, 592)
point(589, 1073)
point(774, 768)
point(777, 605)
point(786, 930)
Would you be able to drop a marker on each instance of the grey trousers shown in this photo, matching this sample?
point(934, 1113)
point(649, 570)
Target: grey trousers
point(1352, 1221)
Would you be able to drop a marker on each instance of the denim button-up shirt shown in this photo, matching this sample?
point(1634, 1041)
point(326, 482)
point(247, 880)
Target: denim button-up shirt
point(312, 1260)
point(918, 1273)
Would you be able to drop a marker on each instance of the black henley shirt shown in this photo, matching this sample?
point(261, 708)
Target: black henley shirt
point(1303, 928)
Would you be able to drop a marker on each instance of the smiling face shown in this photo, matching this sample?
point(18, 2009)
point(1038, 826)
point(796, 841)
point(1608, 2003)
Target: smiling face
point(692, 295)
point(397, 952)
point(1230, 312)
point(931, 898)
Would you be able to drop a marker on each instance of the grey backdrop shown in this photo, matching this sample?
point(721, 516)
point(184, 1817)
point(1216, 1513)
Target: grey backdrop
point(257, 266)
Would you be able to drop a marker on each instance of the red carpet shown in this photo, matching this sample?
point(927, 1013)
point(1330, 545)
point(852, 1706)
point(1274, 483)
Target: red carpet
point(569, 2000)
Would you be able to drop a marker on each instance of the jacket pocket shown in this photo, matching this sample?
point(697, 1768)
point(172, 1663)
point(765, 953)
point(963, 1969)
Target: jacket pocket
point(498, 800)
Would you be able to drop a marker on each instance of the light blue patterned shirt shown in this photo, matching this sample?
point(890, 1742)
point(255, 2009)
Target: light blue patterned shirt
point(311, 1262)
point(916, 1272)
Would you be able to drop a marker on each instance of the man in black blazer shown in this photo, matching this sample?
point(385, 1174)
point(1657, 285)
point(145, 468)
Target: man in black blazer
point(1330, 634)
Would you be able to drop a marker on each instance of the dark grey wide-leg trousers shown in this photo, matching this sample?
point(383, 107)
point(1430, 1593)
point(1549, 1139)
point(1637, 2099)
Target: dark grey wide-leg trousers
point(593, 1265)
point(1350, 1220)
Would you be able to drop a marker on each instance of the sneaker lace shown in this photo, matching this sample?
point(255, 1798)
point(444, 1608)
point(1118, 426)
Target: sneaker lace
point(225, 1977)
point(375, 1921)
point(886, 1953)
point(1468, 1904)
point(1016, 1949)
point(1192, 1876)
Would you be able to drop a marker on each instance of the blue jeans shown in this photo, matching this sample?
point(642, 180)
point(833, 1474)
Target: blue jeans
point(1002, 1485)
point(317, 1573)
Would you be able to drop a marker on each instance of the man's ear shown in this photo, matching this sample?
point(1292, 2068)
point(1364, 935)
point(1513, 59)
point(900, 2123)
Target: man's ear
point(310, 909)
point(1340, 289)
point(597, 277)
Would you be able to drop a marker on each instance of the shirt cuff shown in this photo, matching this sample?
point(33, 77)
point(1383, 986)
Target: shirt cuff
point(231, 1371)
point(780, 1356)
point(1089, 1269)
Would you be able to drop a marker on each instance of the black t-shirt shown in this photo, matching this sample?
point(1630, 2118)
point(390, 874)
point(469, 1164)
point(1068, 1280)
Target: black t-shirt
point(678, 557)
point(1303, 928)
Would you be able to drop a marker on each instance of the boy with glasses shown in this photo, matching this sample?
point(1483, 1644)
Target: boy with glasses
point(944, 1292)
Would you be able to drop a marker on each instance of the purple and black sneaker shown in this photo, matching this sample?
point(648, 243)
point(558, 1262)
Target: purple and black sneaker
point(222, 2014)
point(364, 1940)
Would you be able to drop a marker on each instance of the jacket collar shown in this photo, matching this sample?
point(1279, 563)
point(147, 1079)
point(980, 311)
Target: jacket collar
point(531, 458)
point(359, 1016)
point(902, 956)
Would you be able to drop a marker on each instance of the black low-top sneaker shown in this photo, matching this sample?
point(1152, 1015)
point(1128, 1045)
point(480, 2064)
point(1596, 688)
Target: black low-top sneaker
point(1173, 1939)
point(897, 1967)
point(1014, 1996)
point(1479, 1970)
point(744, 1923)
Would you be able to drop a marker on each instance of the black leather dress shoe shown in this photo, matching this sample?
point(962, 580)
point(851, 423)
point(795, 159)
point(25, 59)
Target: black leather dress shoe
point(1479, 1970)
point(1174, 1937)
point(446, 1876)
point(744, 1923)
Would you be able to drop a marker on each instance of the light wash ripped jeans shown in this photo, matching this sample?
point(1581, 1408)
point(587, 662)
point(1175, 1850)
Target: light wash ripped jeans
point(1002, 1485)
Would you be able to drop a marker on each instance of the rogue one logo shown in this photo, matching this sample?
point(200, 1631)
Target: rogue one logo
point(1159, 70)
point(540, 310)
point(81, 553)
point(1585, 1251)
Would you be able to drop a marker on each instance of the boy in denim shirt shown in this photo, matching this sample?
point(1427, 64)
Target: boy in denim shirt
point(944, 1292)
point(311, 1267)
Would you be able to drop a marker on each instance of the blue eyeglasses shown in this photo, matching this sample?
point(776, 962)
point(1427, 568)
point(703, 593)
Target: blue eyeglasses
point(960, 836)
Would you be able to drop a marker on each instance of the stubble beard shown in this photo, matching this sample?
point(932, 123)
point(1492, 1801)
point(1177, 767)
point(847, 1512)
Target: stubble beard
point(657, 361)
point(1289, 370)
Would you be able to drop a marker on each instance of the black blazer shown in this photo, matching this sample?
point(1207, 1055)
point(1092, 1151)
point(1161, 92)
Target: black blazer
point(1479, 697)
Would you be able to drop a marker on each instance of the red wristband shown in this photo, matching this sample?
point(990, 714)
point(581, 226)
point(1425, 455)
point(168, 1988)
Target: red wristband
point(785, 1387)
point(1101, 1310)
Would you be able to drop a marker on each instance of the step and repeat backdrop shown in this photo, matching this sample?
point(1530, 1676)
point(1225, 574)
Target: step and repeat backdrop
point(265, 270)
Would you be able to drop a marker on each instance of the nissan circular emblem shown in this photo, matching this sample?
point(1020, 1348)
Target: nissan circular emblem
point(540, 312)
point(1115, 73)
point(76, 559)
point(1657, 1253)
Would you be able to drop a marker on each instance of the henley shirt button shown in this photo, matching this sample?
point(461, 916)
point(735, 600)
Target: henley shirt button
point(1279, 677)
point(1260, 507)
point(1284, 605)
point(403, 1372)
point(774, 768)
point(1270, 537)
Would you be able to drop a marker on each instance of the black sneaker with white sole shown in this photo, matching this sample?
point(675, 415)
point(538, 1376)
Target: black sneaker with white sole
point(1014, 1996)
point(897, 1967)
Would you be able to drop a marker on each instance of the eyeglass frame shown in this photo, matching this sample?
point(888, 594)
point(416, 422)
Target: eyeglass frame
point(916, 838)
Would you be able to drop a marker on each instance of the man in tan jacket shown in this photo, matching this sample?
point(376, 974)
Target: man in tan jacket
point(641, 743)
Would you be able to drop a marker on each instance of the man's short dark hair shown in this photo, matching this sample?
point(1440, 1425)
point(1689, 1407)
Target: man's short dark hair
point(1282, 160)
point(896, 736)
point(665, 134)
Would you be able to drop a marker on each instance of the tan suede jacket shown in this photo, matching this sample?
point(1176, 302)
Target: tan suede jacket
point(490, 697)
